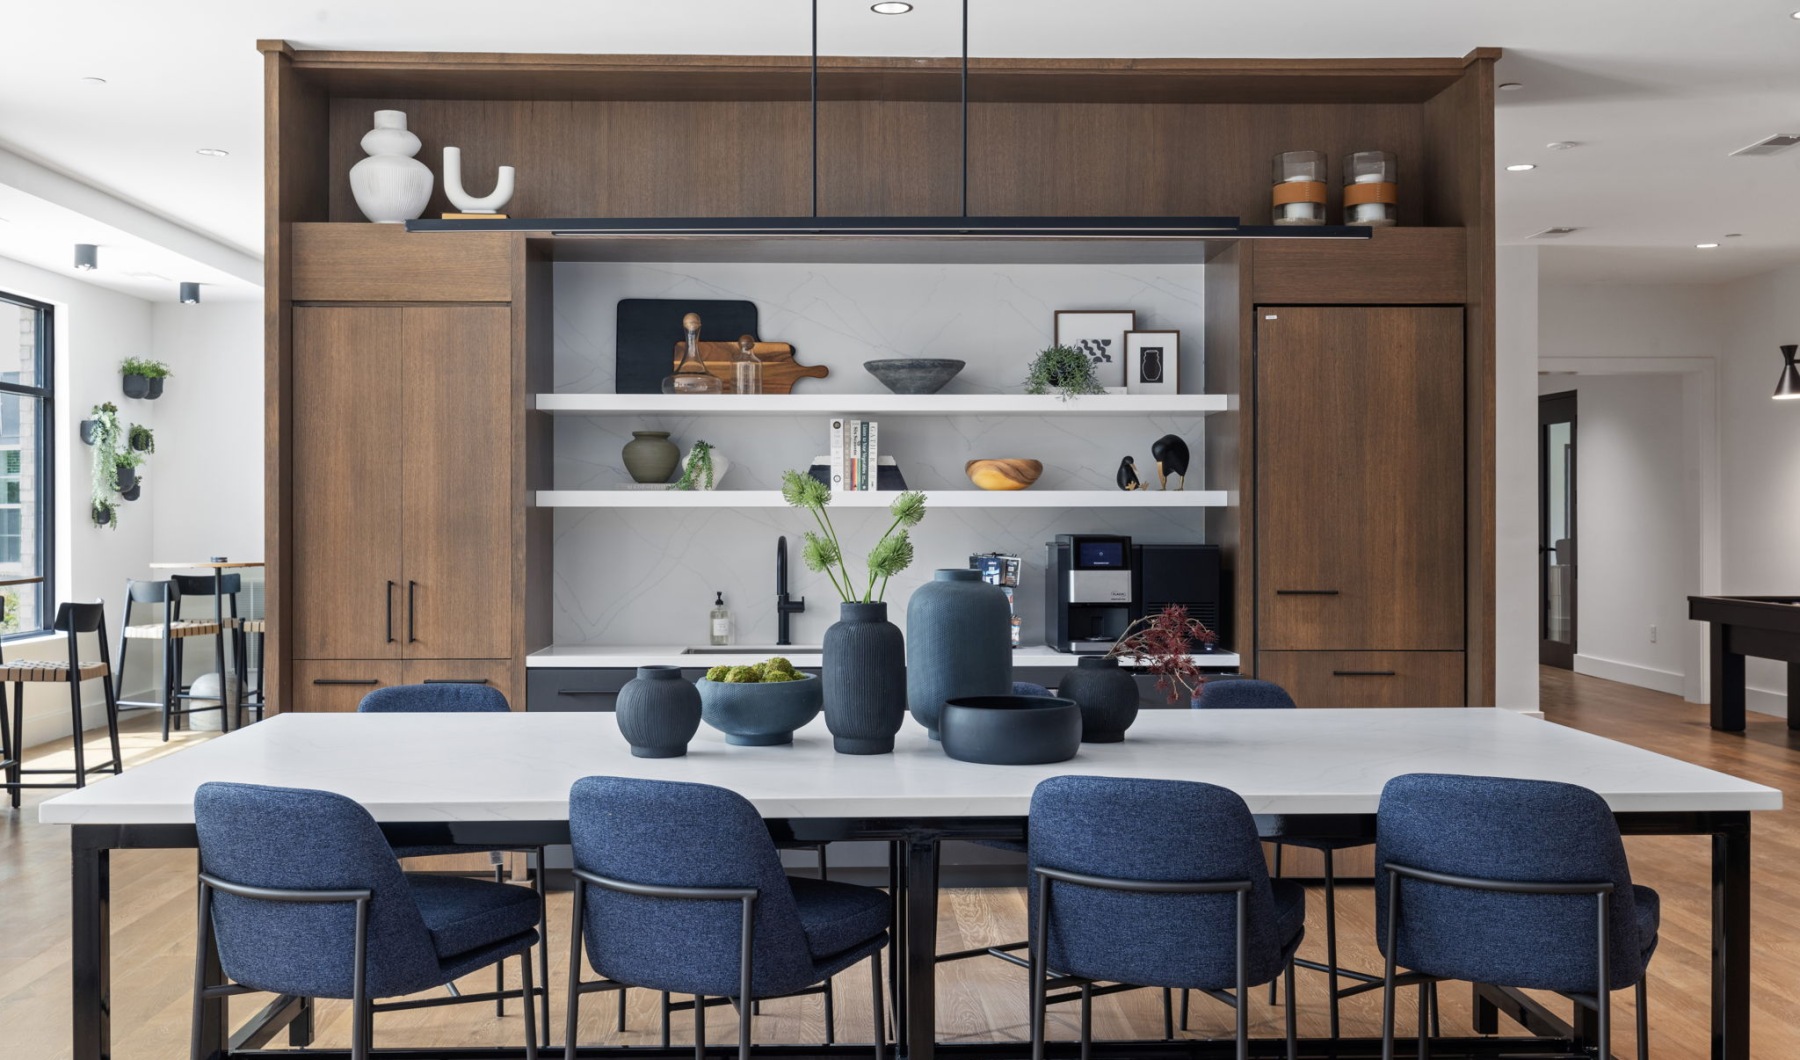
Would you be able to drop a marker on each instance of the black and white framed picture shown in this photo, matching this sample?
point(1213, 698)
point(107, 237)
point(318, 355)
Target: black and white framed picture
point(1099, 333)
point(1152, 362)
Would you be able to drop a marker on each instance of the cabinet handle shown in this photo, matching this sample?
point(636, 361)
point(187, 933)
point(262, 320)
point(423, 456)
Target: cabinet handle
point(584, 692)
point(455, 681)
point(1362, 673)
point(345, 681)
point(1306, 592)
point(388, 599)
point(411, 590)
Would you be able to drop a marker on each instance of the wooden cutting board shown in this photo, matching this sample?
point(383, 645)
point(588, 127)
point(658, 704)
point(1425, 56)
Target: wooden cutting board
point(780, 373)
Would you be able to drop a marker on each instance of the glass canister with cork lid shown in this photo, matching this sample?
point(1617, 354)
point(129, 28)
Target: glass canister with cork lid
point(690, 375)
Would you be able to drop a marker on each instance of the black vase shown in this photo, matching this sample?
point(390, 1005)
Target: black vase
point(156, 385)
point(137, 386)
point(958, 643)
point(1107, 696)
point(88, 430)
point(125, 476)
point(658, 712)
point(865, 680)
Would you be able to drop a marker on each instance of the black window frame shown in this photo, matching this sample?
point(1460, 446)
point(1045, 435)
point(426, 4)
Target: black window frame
point(45, 400)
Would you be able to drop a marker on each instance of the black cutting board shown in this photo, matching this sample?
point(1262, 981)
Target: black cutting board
point(649, 328)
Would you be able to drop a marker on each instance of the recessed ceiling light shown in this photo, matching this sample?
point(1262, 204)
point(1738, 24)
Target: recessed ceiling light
point(1706, 246)
point(1734, 235)
point(1510, 86)
point(1521, 167)
point(93, 80)
point(1795, 15)
point(213, 152)
point(87, 257)
point(894, 8)
point(1562, 145)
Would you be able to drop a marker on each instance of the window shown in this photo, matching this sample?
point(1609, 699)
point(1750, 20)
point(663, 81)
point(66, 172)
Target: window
point(26, 464)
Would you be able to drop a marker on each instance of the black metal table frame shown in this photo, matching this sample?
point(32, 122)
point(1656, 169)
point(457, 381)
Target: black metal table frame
point(915, 946)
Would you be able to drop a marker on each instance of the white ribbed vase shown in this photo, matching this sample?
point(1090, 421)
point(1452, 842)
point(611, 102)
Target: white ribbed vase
point(391, 186)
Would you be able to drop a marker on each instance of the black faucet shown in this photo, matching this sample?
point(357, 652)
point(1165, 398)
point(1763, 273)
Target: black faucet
point(783, 606)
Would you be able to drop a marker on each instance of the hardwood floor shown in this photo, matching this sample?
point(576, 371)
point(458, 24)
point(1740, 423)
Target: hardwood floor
point(153, 910)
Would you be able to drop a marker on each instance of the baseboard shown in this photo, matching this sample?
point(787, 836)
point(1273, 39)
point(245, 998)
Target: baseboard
point(1763, 701)
point(49, 725)
point(1631, 674)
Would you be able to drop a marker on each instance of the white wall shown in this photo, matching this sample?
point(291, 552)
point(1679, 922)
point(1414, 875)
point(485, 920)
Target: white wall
point(1515, 479)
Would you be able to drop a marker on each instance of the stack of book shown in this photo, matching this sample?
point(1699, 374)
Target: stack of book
point(1000, 569)
point(854, 455)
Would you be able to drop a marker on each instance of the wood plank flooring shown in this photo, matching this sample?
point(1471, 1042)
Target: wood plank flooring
point(980, 1000)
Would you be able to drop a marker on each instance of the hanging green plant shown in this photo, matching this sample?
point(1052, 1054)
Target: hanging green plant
point(107, 438)
point(697, 472)
point(142, 438)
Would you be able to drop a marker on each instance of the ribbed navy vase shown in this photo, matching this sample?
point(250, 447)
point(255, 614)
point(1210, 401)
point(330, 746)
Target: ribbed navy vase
point(1107, 696)
point(865, 680)
point(958, 643)
point(659, 712)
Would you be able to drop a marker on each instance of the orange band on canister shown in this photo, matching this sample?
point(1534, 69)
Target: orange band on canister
point(1291, 191)
point(1363, 194)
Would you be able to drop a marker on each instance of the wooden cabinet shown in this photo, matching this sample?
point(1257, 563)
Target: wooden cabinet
point(494, 673)
point(338, 685)
point(1366, 678)
point(1359, 474)
point(402, 459)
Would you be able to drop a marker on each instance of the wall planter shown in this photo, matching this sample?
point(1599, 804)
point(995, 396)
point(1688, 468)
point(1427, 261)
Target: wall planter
point(88, 427)
point(102, 513)
point(141, 438)
point(658, 712)
point(137, 386)
point(1107, 696)
point(143, 378)
point(132, 494)
point(865, 680)
point(958, 643)
point(124, 477)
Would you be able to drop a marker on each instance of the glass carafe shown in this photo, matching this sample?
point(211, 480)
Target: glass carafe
point(691, 376)
point(747, 367)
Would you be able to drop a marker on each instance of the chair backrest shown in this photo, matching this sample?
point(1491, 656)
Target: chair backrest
point(1151, 830)
point(673, 834)
point(202, 584)
point(1242, 694)
point(436, 698)
point(298, 839)
point(1495, 828)
point(81, 618)
point(140, 591)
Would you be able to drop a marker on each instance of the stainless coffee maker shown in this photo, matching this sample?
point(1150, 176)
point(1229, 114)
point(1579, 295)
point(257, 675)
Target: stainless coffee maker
point(1088, 600)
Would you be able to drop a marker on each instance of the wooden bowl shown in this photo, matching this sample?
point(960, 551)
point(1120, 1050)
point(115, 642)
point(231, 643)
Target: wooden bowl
point(1003, 473)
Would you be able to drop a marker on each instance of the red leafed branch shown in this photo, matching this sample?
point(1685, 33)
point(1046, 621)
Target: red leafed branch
point(1161, 643)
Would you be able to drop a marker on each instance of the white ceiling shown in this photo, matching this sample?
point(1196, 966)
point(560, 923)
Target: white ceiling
point(1655, 91)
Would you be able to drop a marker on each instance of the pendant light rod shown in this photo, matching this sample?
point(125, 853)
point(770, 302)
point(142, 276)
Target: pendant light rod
point(965, 108)
point(813, 94)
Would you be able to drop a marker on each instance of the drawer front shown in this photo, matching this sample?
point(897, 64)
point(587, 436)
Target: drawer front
point(338, 685)
point(495, 673)
point(385, 263)
point(1367, 678)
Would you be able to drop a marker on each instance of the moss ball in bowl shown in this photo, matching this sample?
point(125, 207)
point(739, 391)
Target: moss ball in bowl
point(760, 705)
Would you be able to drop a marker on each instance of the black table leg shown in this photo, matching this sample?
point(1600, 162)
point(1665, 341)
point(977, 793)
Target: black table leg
point(90, 944)
point(1727, 669)
point(1794, 695)
point(300, 1031)
point(920, 1039)
point(1731, 939)
point(1486, 1013)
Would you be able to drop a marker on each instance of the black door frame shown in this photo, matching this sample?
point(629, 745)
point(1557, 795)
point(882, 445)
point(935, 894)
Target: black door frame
point(1557, 408)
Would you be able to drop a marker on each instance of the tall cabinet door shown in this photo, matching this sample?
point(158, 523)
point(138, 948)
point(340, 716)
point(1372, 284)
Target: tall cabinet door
point(1359, 475)
point(457, 420)
point(347, 483)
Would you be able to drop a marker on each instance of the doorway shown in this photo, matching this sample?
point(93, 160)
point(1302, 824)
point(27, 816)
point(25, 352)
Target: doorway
point(1556, 530)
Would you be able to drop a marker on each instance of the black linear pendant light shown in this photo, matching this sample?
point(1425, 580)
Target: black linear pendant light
point(1788, 387)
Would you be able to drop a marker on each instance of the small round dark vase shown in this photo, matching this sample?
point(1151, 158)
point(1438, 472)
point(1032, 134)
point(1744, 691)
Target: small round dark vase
point(156, 385)
point(1107, 696)
point(658, 712)
point(958, 643)
point(865, 680)
point(137, 386)
point(650, 456)
point(1011, 730)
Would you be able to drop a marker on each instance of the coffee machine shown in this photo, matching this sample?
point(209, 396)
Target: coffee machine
point(1089, 599)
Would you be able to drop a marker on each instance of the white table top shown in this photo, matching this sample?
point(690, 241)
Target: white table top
point(491, 767)
point(1025, 656)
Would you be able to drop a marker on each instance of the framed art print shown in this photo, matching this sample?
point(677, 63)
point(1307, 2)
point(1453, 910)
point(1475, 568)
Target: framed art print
point(1152, 362)
point(1099, 333)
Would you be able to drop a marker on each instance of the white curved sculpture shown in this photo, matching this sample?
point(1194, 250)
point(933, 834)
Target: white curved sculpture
point(390, 186)
point(453, 186)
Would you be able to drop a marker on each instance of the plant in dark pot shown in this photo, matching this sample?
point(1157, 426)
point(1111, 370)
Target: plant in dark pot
point(102, 513)
point(125, 465)
point(1163, 644)
point(958, 643)
point(1066, 370)
point(141, 438)
point(90, 428)
point(104, 478)
point(143, 377)
point(658, 712)
point(864, 654)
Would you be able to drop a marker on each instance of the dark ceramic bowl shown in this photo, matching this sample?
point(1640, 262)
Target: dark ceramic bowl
point(1010, 730)
point(758, 715)
point(914, 375)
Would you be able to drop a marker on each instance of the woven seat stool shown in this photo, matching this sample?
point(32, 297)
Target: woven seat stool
point(71, 620)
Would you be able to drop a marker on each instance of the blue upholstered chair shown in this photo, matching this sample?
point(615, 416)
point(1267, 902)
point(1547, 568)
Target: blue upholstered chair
point(1519, 883)
point(679, 888)
point(458, 697)
point(1243, 693)
point(302, 896)
point(1155, 883)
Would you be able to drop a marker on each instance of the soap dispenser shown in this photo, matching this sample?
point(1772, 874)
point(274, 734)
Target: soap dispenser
point(721, 621)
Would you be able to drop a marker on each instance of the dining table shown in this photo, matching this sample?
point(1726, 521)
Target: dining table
point(503, 779)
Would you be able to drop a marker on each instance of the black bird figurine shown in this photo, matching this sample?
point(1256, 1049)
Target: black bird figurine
point(1171, 454)
point(1128, 476)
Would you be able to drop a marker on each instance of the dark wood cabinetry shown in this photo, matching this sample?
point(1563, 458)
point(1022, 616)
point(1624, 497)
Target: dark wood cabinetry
point(1366, 678)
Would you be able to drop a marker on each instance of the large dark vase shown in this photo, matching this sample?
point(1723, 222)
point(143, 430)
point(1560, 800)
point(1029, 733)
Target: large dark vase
point(958, 643)
point(1107, 696)
point(865, 680)
point(658, 712)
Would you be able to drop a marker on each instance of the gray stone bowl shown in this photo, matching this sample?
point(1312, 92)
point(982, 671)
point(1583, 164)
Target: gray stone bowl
point(760, 715)
point(1010, 730)
point(914, 375)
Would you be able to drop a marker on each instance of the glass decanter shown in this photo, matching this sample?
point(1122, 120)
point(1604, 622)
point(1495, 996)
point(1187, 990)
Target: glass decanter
point(691, 376)
point(747, 367)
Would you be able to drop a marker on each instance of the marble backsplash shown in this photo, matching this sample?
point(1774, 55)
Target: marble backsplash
point(648, 576)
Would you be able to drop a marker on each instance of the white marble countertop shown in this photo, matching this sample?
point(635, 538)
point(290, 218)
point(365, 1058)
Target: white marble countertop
point(493, 767)
point(627, 655)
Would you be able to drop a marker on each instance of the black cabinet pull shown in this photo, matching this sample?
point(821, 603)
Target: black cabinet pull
point(456, 681)
point(1362, 673)
point(585, 692)
point(411, 590)
point(345, 681)
point(388, 599)
point(1306, 592)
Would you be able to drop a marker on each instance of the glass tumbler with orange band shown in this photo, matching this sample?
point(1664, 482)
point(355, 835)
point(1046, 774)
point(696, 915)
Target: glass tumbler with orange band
point(1371, 196)
point(1298, 197)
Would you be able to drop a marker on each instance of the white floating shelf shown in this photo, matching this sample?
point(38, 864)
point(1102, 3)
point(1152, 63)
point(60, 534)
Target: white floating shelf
point(829, 404)
point(944, 498)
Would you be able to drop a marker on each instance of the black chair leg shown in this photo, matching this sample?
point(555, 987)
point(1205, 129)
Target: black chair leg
point(1087, 1021)
point(500, 966)
point(539, 884)
point(576, 916)
point(1272, 982)
point(699, 1027)
point(76, 730)
point(1168, 1015)
point(1331, 954)
point(112, 725)
point(168, 701)
point(878, 1021)
point(665, 1019)
point(16, 771)
point(1425, 1021)
point(531, 1034)
point(830, 1015)
point(1643, 1022)
point(1292, 1028)
point(1185, 994)
point(621, 994)
point(8, 753)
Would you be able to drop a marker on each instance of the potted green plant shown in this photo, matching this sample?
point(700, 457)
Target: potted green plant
point(702, 469)
point(106, 436)
point(143, 377)
point(91, 425)
point(125, 465)
point(1065, 369)
point(102, 513)
point(141, 438)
